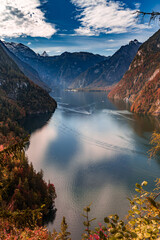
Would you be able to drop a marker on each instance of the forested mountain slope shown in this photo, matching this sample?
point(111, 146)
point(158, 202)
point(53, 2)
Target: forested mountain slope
point(141, 83)
point(18, 97)
point(28, 70)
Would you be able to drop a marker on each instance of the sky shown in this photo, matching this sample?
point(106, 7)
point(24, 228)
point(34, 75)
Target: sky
point(56, 26)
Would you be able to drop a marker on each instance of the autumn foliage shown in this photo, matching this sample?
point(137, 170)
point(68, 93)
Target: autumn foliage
point(25, 198)
point(21, 216)
point(141, 83)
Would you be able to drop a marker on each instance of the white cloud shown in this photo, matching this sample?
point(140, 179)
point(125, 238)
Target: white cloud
point(23, 18)
point(137, 5)
point(104, 16)
point(110, 49)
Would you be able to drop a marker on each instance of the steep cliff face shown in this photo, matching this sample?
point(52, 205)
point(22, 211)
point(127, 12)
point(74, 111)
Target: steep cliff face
point(110, 71)
point(141, 83)
point(148, 99)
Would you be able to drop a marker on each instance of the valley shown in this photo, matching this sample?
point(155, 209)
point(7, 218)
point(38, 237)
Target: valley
point(82, 121)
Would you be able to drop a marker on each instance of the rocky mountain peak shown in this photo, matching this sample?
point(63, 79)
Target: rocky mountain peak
point(19, 48)
point(135, 41)
point(44, 54)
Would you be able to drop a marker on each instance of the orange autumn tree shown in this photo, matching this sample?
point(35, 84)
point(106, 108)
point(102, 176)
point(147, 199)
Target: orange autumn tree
point(155, 141)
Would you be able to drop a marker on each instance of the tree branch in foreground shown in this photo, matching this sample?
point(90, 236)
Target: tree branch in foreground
point(153, 15)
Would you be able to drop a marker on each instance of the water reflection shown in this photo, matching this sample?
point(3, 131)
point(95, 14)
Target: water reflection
point(39, 142)
point(92, 152)
point(145, 124)
point(34, 122)
point(62, 150)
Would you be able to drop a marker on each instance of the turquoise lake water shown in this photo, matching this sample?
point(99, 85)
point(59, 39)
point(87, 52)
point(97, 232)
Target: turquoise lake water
point(95, 151)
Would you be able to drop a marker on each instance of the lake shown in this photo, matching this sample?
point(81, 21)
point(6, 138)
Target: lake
point(94, 151)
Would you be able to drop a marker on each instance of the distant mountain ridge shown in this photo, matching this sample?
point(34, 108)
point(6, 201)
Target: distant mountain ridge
point(78, 70)
point(141, 83)
point(109, 71)
point(56, 71)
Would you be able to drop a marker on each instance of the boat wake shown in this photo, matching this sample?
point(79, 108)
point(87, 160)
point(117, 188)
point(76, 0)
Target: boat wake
point(65, 129)
point(121, 113)
point(86, 110)
point(74, 110)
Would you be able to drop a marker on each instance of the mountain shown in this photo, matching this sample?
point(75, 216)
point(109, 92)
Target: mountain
point(28, 70)
point(141, 83)
point(110, 71)
point(19, 97)
point(44, 54)
point(56, 71)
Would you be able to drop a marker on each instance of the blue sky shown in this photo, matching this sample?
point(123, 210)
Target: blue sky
point(98, 26)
